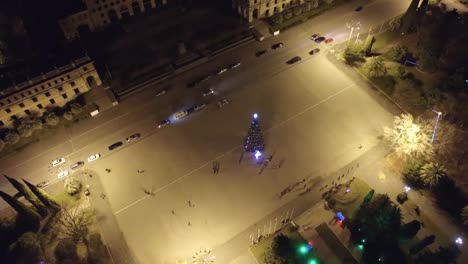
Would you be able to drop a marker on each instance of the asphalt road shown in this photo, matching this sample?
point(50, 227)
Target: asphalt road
point(314, 117)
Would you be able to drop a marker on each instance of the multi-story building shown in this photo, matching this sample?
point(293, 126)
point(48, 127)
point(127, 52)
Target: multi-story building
point(97, 14)
point(256, 9)
point(47, 90)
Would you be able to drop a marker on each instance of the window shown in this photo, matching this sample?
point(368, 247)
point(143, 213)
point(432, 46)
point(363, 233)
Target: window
point(23, 96)
point(29, 92)
point(85, 68)
point(16, 98)
point(72, 83)
point(21, 105)
point(8, 110)
point(47, 94)
point(9, 101)
point(36, 90)
point(55, 81)
point(64, 96)
point(60, 89)
point(48, 84)
point(268, 4)
point(39, 106)
point(61, 79)
point(76, 91)
point(34, 99)
point(27, 112)
point(14, 117)
point(68, 76)
point(52, 101)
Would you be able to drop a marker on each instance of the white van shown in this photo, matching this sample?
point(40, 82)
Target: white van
point(180, 114)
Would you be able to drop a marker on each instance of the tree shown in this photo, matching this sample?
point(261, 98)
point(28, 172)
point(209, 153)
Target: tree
point(353, 53)
point(68, 115)
point(36, 124)
point(25, 129)
point(2, 144)
point(375, 67)
point(29, 217)
point(367, 46)
point(431, 173)
point(408, 20)
point(45, 198)
point(410, 229)
point(395, 24)
point(422, 244)
point(307, 6)
point(72, 185)
point(464, 215)
point(98, 252)
point(411, 173)
point(443, 255)
point(74, 224)
point(408, 138)
point(66, 252)
point(399, 53)
point(76, 108)
point(315, 3)
point(253, 142)
point(456, 80)
point(26, 192)
point(278, 19)
point(12, 137)
point(297, 10)
point(288, 14)
point(52, 119)
point(27, 249)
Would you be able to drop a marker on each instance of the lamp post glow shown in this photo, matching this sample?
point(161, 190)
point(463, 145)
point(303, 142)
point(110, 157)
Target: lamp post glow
point(255, 116)
point(352, 25)
point(436, 124)
point(257, 154)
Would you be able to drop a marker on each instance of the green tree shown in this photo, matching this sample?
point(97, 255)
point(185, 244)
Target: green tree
point(25, 129)
point(76, 108)
point(422, 244)
point(288, 14)
point(443, 255)
point(278, 19)
point(41, 209)
point(68, 115)
point(367, 46)
point(30, 217)
point(375, 67)
point(353, 53)
point(12, 137)
point(431, 173)
point(281, 251)
point(72, 185)
point(411, 173)
point(307, 6)
point(66, 252)
point(36, 124)
point(27, 249)
point(409, 18)
point(399, 53)
point(254, 140)
point(297, 10)
point(45, 198)
point(410, 229)
point(98, 252)
point(52, 119)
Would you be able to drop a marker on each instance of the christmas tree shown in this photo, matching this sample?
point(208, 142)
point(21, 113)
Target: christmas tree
point(253, 142)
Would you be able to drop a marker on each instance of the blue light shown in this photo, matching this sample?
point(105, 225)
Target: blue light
point(255, 116)
point(257, 154)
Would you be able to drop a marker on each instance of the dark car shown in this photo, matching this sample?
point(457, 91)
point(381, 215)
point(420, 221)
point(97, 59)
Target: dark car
point(359, 8)
point(320, 39)
point(193, 84)
point(294, 60)
point(314, 51)
point(314, 36)
point(42, 184)
point(133, 137)
point(277, 45)
point(164, 123)
point(260, 53)
point(116, 145)
point(76, 165)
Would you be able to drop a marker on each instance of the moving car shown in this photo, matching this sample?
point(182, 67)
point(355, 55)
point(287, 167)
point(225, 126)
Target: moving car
point(57, 162)
point(162, 92)
point(62, 174)
point(164, 123)
point(180, 114)
point(221, 71)
point(277, 45)
point(319, 39)
point(193, 84)
point(199, 107)
point(76, 165)
point(294, 60)
point(208, 92)
point(314, 51)
point(329, 40)
point(222, 102)
point(42, 184)
point(359, 8)
point(234, 65)
point(94, 157)
point(115, 145)
point(133, 137)
point(260, 53)
point(314, 36)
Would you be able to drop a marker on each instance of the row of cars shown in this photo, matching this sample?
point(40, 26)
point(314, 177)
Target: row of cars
point(216, 73)
point(318, 39)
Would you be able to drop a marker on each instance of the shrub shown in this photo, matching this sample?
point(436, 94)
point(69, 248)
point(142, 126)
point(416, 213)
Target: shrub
point(68, 116)
point(410, 229)
point(277, 19)
point(25, 129)
point(72, 186)
point(65, 251)
point(12, 137)
point(353, 53)
point(288, 14)
point(76, 108)
point(36, 124)
point(52, 119)
point(399, 53)
point(450, 197)
point(411, 173)
point(376, 67)
point(297, 10)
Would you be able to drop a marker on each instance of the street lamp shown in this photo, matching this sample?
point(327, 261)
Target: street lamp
point(352, 25)
point(436, 124)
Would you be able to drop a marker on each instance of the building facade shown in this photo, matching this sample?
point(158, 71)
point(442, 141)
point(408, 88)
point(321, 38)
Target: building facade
point(100, 13)
point(256, 9)
point(49, 90)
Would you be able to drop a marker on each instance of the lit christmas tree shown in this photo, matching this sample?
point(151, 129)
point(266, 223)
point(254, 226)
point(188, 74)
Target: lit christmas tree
point(253, 142)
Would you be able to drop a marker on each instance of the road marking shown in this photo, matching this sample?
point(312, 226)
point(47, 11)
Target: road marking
point(232, 150)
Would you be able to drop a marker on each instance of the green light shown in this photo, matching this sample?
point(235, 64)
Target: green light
point(303, 249)
point(313, 261)
point(360, 247)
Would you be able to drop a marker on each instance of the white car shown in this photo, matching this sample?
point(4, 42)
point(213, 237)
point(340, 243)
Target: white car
point(162, 92)
point(180, 114)
point(221, 71)
point(57, 162)
point(94, 157)
point(208, 92)
point(62, 174)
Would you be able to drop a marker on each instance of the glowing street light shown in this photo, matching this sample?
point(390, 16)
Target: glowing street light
point(459, 240)
point(257, 154)
point(353, 25)
point(255, 116)
point(436, 124)
point(407, 188)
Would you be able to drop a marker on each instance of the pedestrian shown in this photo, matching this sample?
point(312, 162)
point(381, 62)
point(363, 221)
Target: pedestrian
point(189, 203)
point(360, 147)
point(189, 224)
point(103, 195)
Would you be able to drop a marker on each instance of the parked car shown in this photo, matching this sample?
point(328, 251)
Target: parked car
point(163, 123)
point(57, 162)
point(76, 165)
point(162, 92)
point(359, 8)
point(199, 107)
point(62, 174)
point(260, 53)
point(234, 65)
point(208, 92)
point(115, 145)
point(133, 137)
point(42, 184)
point(94, 157)
point(294, 60)
point(314, 36)
point(329, 40)
point(314, 51)
point(222, 102)
point(221, 71)
point(193, 84)
point(277, 45)
point(319, 39)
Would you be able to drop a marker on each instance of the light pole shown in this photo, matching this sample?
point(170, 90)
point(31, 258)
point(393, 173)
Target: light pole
point(352, 25)
point(436, 124)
